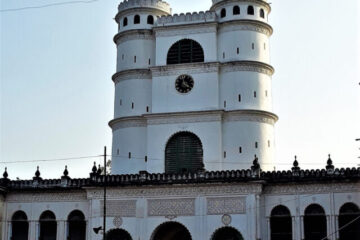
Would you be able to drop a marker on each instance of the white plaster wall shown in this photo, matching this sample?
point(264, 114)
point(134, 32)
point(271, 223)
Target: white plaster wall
point(243, 12)
point(132, 139)
point(244, 134)
point(233, 84)
point(143, 49)
point(203, 96)
point(137, 91)
point(207, 40)
point(229, 41)
point(208, 132)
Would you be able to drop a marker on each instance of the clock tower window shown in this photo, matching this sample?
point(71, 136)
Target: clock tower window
point(185, 51)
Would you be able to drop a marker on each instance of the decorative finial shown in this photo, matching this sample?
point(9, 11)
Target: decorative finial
point(99, 170)
point(255, 168)
point(5, 175)
point(66, 172)
point(330, 167)
point(94, 169)
point(37, 173)
point(295, 167)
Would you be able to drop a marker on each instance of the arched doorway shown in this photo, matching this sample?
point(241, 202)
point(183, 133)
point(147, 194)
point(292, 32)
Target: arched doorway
point(315, 222)
point(183, 153)
point(76, 226)
point(227, 233)
point(349, 222)
point(171, 231)
point(281, 223)
point(48, 226)
point(185, 51)
point(118, 234)
point(19, 226)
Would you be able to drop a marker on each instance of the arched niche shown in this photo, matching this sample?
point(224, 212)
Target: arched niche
point(281, 223)
point(315, 222)
point(19, 226)
point(76, 226)
point(349, 221)
point(227, 233)
point(185, 51)
point(171, 231)
point(183, 153)
point(118, 234)
point(48, 226)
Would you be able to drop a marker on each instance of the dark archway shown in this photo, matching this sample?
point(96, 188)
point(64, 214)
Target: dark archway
point(48, 226)
point(250, 10)
point(20, 226)
point(262, 13)
point(349, 222)
point(236, 10)
point(281, 223)
point(171, 231)
point(77, 226)
point(183, 153)
point(118, 234)
point(185, 51)
point(223, 13)
point(137, 19)
point(150, 20)
point(227, 233)
point(315, 222)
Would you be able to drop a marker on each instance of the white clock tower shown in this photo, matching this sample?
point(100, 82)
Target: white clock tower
point(192, 91)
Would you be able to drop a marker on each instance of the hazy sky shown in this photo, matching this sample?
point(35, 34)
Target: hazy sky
point(57, 94)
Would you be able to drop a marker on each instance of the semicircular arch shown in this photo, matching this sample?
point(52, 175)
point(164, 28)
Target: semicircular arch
point(118, 234)
point(173, 228)
point(185, 51)
point(227, 232)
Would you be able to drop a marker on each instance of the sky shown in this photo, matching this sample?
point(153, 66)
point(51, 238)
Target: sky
point(57, 96)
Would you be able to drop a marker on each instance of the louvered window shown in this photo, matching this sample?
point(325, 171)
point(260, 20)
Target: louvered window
point(185, 51)
point(183, 153)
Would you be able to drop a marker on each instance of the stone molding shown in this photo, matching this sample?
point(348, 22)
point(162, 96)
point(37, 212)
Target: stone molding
point(171, 207)
point(155, 4)
point(131, 74)
point(194, 117)
point(67, 196)
point(127, 122)
point(188, 18)
point(218, 3)
point(246, 25)
point(122, 208)
point(187, 68)
point(185, 29)
point(312, 188)
point(248, 66)
point(226, 205)
point(135, 34)
point(177, 191)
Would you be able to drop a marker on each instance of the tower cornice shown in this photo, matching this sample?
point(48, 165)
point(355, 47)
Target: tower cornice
point(219, 3)
point(133, 34)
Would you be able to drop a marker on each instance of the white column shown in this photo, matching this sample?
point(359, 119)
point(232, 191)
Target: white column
point(37, 235)
point(302, 227)
point(258, 218)
point(268, 228)
point(328, 226)
point(9, 231)
point(337, 227)
point(293, 228)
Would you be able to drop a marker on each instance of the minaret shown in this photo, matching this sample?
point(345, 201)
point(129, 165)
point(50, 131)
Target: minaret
point(135, 43)
point(245, 82)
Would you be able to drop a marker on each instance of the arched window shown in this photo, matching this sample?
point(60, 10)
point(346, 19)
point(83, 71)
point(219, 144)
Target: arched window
point(137, 19)
point(281, 223)
point(183, 153)
point(48, 226)
point(19, 226)
point(223, 13)
point(185, 51)
point(315, 222)
point(236, 10)
point(118, 234)
point(349, 216)
point(250, 10)
point(125, 22)
point(226, 233)
point(262, 13)
point(150, 20)
point(171, 230)
point(76, 226)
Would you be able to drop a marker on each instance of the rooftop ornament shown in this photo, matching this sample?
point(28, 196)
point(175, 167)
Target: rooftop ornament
point(330, 167)
point(295, 169)
point(5, 175)
point(255, 168)
point(66, 172)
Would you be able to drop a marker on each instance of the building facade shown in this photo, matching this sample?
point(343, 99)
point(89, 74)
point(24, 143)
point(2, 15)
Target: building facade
point(195, 77)
point(193, 144)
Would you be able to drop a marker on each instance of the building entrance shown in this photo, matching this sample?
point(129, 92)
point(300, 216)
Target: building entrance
point(171, 231)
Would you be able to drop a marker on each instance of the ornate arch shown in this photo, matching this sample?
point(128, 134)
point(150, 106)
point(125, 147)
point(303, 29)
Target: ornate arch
point(121, 233)
point(170, 222)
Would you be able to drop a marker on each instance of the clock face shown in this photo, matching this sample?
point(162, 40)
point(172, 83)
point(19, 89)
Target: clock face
point(184, 83)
